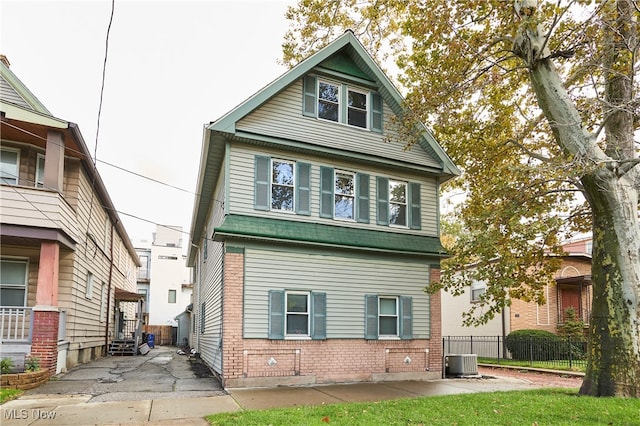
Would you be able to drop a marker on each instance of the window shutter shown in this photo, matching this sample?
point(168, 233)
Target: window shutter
point(371, 316)
point(362, 203)
point(202, 317)
point(261, 177)
point(303, 188)
point(309, 101)
point(376, 112)
point(383, 201)
point(276, 314)
point(326, 192)
point(414, 207)
point(406, 317)
point(319, 316)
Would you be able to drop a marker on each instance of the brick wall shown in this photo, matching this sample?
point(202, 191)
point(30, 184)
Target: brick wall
point(44, 344)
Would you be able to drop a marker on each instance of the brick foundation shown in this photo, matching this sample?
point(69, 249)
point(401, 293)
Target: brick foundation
point(44, 344)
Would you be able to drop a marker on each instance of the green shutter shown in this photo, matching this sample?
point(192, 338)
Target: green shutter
point(276, 314)
point(414, 205)
point(376, 112)
point(362, 198)
point(303, 188)
point(382, 201)
point(326, 192)
point(319, 316)
point(309, 101)
point(261, 180)
point(406, 317)
point(371, 316)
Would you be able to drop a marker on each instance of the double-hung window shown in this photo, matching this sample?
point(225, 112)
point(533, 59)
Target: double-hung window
point(282, 185)
point(13, 282)
point(398, 203)
point(388, 317)
point(328, 101)
point(297, 314)
point(344, 195)
point(9, 165)
point(478, 288)
point(342, 103)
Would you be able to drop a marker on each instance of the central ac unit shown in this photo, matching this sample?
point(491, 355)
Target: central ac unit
point(458, 365)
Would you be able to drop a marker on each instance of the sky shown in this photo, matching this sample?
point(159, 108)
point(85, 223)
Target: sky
point(172, 67)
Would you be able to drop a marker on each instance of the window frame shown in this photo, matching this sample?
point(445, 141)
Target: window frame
point(292, 187)
point(477, 286)
point(396, 315)
point(367, 110)
point(17, 167)
point(297, 336)
point(88, 294)
point(25, 286)
point(173, 292)
point(395, 203)
point(39, 181)
point(319, 99)
point(337, 194)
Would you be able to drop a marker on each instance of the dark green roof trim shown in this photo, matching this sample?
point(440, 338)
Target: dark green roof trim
point(262, 228)
point(233, 249)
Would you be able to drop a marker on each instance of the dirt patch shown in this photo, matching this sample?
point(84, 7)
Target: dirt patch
point(199, 368)
point(534, 377)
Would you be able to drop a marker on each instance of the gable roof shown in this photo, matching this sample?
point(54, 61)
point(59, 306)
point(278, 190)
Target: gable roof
point(347, 44)
point(13, 90)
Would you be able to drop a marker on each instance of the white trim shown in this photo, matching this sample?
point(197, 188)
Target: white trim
point(25, 262)
point(292, 186)
point(89, 290)
point(39, 181)
point(406, 203)
point(297, 336)
point(353, 196)
point(397, 317)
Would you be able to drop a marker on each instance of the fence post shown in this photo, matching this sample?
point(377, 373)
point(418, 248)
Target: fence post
point(570, 357)
point(471, 340)
point(498, 349)
point(530, 351)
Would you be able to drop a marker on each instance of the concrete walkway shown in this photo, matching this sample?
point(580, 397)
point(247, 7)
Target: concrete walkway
point(161, 389)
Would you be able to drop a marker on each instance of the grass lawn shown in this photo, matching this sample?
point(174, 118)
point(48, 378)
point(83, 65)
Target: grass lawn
point(9, 394)
point(538, 407)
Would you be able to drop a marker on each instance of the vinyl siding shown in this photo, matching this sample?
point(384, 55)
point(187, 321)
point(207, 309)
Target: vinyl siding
point(345, 279)
point(210, 290)
point(10, 95)
point(241, 198)
point(282, 117)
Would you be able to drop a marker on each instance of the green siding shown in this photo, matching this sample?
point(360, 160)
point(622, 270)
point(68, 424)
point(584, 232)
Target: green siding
point(345, 280)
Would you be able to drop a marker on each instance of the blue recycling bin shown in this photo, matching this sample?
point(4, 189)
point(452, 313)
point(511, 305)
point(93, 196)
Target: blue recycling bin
point(151, 340)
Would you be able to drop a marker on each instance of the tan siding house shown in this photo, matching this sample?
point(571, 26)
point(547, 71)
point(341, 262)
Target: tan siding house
point(314, 237)
point(62, 278)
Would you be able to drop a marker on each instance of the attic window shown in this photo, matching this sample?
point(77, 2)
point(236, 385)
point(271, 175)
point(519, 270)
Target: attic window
point(340, 103)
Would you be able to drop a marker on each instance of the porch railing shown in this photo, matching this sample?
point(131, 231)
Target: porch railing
point(16, 324)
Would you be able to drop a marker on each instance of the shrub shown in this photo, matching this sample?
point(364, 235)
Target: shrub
point(6, 364)
point(32, 363)
point(533, 345)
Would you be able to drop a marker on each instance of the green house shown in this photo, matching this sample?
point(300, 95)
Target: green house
point(315, 232)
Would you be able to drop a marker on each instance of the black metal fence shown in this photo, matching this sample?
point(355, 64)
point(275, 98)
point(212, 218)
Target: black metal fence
point(533, 351)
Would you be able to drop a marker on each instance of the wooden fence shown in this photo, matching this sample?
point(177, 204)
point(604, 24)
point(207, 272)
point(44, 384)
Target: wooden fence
point(164, 335)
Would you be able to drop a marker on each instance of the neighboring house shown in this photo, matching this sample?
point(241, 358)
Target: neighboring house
point(67, 266)
point(572, 289)
point(315, 232)
point(165, 281)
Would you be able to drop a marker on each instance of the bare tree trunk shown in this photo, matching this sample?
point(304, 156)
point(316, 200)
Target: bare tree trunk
point(611, 188)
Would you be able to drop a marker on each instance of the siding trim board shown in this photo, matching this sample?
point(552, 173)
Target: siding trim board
point(313, 233)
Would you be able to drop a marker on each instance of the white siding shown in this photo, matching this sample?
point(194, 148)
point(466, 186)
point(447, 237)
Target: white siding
point(345, 279)
point(282, 117)
point(241, 198)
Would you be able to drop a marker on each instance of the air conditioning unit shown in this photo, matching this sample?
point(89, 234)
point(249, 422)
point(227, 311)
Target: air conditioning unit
point(459, 365)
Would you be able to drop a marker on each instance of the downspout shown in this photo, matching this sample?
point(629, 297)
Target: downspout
point(108, 313)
